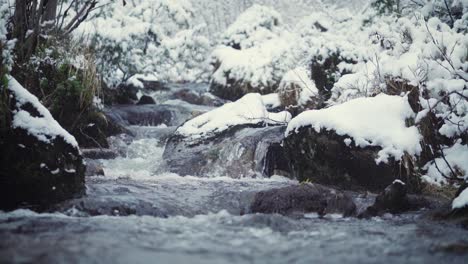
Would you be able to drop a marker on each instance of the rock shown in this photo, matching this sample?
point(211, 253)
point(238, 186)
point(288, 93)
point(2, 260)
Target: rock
point(392, 200)
point(240, 151)
point(301, 199)
point(235, 89)
point(145, 99)
point(197, 98)
point(40, 162)
point(96, 153)
point(122, 94)
point(323, 157)
point(148, 115)
point(395, 200)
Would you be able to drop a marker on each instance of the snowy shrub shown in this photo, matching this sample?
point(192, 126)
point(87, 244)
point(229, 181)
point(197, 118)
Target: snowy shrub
point(427, 58)
point(147, 37)
point(297, 90)
point(256, 54)
point(253, 27)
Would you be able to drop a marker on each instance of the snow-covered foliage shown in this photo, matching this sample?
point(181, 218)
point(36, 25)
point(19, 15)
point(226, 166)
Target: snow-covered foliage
point(256, 50)
point(376, 121)
point(155, 37)
point(253, 27)
point(456, 156)
point(6, 46)
point(250, 109)
point(297, 89)
point(43, 127)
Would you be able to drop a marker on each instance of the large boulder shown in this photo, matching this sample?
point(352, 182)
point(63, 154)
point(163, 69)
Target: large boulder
point(362, 144)
point(240, 151)
point(233, 140)
point(302, 199)
point(40, 162)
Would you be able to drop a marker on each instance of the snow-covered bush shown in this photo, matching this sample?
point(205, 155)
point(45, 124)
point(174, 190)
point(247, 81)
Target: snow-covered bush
point(427, 58)
point(257, 51)
point(154, 37)
point(331, 45)
point(297, 90)
point(253, 27)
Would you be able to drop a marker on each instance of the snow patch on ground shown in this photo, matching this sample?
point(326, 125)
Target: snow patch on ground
point(45, 128)
point(375, 121)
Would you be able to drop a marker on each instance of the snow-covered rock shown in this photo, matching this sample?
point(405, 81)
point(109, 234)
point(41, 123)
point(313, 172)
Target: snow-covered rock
point(374, 121)
point(249, 110)
point(364, 142)
point(238, 139)
point(41, 162)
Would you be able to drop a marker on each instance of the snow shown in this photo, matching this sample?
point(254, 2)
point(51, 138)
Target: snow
point(260, 66)
point(45, 128)
point(271, 100)
point(254, 26)
point(399, 181)
point(375, 121)
point(456, 155)
point(461, 201)
point(256, 50)
point(157, 37)
point(250, 109)
point(299, 79)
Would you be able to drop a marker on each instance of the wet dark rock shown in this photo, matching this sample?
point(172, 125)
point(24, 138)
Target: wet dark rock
point(153, 85)
point(235, 89)
point(198, 98)
point(96, 153)
point(301, 199)
point(323, 157)
point(392, 200)
point(148, 115)
point(145, 99)
point(238, 152)
point(122, 94)
point(395, 200)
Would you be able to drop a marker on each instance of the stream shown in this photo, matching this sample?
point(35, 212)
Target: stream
point(140, 213)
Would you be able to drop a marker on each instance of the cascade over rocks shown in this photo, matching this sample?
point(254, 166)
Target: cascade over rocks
point(240, 151)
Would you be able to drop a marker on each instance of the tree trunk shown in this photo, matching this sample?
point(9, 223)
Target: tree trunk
point(50, 10)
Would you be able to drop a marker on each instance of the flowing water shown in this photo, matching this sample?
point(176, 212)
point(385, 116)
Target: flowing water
point(137, 213)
